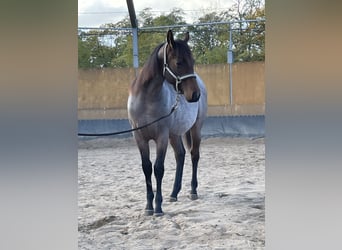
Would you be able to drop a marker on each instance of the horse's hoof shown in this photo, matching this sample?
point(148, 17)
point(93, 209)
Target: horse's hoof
point(173, 199)
point(193, 196)
point(158, 212)
point(148, 212)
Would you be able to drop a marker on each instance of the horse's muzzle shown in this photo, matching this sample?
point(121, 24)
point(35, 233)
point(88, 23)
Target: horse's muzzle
point(195, 96)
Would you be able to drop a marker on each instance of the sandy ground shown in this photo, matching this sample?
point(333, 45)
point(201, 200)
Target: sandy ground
point(229, 214)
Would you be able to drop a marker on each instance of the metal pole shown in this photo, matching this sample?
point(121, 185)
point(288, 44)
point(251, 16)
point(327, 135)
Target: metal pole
point(134, 24)
point(135, 50)
point(230, 61)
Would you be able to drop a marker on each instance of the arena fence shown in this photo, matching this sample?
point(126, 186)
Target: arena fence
point(103, 93)
point(236, 93)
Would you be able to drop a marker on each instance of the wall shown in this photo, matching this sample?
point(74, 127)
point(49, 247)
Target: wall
point(103, 93)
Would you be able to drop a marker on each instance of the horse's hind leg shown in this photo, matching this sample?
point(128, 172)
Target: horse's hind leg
point(147, 168)
point(178, 148)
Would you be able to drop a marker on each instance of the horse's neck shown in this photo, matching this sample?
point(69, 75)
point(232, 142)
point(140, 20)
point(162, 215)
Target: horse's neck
point(148, 81)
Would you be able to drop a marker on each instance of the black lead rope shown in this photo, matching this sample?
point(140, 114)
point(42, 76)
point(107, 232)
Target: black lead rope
point(133, 129)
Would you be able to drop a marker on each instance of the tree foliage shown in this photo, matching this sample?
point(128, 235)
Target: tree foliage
point(113, 48)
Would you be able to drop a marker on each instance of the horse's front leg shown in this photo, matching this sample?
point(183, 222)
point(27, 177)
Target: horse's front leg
point(147, 168)
point(161, 142)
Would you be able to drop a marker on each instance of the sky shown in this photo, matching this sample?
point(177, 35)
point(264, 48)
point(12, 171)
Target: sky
point(93, 13)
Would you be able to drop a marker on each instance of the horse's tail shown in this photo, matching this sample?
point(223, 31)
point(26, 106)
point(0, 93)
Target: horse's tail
point(188, 140)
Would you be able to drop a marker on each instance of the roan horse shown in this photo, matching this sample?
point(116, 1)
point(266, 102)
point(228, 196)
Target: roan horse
point(167, 82)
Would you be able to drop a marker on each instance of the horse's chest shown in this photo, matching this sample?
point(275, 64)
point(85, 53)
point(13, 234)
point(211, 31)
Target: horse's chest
point(184, 116)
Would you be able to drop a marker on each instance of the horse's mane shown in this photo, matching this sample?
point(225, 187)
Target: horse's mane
point(151, 68)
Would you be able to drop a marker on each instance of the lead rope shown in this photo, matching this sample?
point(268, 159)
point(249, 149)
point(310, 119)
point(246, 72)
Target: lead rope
point(174, 107)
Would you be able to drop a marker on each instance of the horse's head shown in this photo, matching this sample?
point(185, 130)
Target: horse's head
point(179, 67)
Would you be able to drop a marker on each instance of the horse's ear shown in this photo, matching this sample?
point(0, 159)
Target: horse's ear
point(170, 39)
point(187, 37)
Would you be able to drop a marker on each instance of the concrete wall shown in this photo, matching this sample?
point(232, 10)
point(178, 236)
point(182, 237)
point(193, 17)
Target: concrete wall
point(103, 93)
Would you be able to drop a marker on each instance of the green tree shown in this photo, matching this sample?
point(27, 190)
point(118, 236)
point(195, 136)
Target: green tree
point(249, 38)
point(92, 53)
point(83, 54)
point(148, 39)
point(209, 43)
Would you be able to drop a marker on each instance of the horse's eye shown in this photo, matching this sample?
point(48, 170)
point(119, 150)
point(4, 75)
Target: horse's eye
point(179, 63)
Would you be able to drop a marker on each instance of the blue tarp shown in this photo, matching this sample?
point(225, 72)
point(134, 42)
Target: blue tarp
point(232, 126)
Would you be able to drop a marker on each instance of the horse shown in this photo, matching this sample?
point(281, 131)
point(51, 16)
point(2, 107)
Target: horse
point(167, 82)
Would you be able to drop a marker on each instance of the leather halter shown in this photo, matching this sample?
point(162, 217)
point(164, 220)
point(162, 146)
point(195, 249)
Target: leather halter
point(178, 79)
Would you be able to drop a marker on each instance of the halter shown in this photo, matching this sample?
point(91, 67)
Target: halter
point(178, 79)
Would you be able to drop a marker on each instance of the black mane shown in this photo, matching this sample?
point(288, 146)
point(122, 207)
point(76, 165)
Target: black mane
point(152, 67)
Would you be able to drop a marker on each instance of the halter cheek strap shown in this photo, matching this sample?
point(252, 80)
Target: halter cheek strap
point(178, 79)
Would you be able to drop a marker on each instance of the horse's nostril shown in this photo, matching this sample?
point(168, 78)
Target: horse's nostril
point(195, 96)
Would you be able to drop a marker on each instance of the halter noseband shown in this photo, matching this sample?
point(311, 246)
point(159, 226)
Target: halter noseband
point(178, 79)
